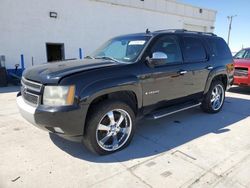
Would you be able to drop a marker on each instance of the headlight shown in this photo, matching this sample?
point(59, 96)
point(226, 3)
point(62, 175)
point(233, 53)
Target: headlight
point(58, 95)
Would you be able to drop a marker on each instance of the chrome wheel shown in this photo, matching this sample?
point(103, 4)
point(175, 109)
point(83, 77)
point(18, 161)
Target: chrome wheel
point(114, 130)
point(217, 97)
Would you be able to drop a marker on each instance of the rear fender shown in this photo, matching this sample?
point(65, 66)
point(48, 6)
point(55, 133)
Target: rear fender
point(215, 72)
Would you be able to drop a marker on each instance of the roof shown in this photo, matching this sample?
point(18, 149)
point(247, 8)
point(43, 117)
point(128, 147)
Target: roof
point(184, 31)
point(176, 31)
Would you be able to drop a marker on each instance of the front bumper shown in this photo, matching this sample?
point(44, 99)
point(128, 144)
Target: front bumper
point(230, 82)
point(242, 81)
point(65, 121)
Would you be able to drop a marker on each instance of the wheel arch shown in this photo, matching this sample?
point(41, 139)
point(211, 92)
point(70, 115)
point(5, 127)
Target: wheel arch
point(128, 91)
point(217, 74)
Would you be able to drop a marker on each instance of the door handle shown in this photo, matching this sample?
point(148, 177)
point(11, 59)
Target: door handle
point(209, 67)
point(182, 72)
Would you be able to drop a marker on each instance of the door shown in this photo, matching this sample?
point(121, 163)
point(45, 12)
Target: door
point(169, 81)
point(55, 52)
point(196, 63)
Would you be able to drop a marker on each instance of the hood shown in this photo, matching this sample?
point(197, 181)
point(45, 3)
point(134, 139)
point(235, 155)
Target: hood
point(242, 62)
point(53, 72)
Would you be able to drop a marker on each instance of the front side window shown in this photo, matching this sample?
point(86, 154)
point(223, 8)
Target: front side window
point(243, 54)
point(122, 49)
point(193, 50)
point(169, 46)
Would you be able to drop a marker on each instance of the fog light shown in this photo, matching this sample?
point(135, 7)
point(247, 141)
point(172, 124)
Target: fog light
point(58, 130)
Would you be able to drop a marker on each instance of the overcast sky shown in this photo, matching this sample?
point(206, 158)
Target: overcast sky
point(240, 34)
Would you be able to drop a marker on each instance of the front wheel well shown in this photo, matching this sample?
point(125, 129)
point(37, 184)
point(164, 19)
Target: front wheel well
point(128, 97)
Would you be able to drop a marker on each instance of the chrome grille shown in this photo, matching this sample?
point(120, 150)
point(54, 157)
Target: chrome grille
point(241, 71)
point(33, 86)
point(31, 91)
point(29, 97)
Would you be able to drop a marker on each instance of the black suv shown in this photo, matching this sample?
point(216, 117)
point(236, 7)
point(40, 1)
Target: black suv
point(152, 74)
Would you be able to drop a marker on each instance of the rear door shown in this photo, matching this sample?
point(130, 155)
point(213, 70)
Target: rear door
point(196, 63)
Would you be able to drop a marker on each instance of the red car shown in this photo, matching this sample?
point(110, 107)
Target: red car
point(242, 68)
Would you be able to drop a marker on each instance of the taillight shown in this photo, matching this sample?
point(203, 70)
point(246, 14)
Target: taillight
point(230, 67)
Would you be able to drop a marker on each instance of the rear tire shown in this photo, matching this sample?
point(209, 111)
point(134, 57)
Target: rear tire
point(214, 99)
point(109, 128)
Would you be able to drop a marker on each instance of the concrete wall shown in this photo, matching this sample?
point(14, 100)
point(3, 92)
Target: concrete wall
point(25, 26)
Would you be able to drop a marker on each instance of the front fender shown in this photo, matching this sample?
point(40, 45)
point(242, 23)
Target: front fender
point(111, 85)
point(215, 72)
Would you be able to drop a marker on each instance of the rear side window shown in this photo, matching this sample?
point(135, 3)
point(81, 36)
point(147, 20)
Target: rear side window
point(193, 50)
point(219, 48)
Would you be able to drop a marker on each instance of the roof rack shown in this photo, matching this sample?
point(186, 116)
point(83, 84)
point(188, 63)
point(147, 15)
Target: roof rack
point(185, 31)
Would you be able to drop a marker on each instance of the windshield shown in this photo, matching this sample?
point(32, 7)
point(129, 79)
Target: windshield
point(243, 54)
point(122, 49)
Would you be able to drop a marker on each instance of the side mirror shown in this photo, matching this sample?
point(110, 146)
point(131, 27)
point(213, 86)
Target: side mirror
point(158, 58)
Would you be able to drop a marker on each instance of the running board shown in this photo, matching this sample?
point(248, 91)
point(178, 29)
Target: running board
point(172, 110)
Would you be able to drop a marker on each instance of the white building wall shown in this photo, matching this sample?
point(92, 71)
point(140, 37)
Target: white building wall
point(25, 25)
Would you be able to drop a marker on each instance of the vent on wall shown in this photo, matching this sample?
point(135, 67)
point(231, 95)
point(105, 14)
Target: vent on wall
point(53, 15)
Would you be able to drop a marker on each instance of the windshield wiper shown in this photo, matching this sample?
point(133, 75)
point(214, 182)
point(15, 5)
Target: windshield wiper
point(89, 57)
point(108, 58)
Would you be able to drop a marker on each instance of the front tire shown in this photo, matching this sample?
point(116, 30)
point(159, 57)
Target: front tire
point(214, 99)
point(109, 128)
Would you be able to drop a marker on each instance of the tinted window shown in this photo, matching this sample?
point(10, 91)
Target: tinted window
point(193, 50)
point(219, 48)
point(168, 45)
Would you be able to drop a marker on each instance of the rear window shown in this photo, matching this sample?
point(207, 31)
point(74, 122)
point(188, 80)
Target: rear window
point(193, 50)
point(219, 48)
